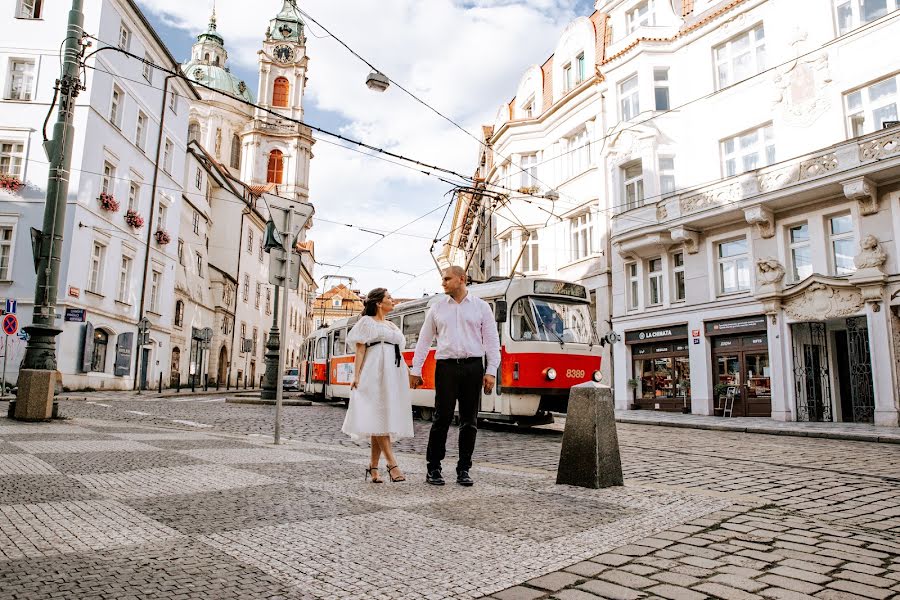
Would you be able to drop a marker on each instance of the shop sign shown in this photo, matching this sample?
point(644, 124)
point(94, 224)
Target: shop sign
point(658, 333)
point(681, 347)
point(124, 346)
point(76, 315)
point(733, 326)
point(74, 291)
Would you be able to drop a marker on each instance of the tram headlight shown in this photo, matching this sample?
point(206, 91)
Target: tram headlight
point(598, 376)
point(550, 373)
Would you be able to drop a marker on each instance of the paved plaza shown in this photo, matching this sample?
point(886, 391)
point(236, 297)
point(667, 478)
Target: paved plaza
point(186, 497)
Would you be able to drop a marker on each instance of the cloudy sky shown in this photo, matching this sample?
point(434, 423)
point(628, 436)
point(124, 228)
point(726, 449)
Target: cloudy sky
point(464, 57)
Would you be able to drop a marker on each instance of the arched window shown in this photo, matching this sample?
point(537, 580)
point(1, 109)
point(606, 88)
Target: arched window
point(216, 60)
point(98, 358)
point(276, 167)
point(194, 131)
point(280, 92)
point(235, 151)
point(206, 57)
point(179, 313)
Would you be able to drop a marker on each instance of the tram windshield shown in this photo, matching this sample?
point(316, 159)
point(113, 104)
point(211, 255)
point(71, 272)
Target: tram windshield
point(545, 320)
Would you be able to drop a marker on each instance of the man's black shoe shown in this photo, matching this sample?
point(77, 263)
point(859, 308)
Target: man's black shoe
point(434, 477)
point(462, 478)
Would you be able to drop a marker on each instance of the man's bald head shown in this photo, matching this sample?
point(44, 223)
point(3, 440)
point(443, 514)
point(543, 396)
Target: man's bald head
point(455, 271)
point(454, 281)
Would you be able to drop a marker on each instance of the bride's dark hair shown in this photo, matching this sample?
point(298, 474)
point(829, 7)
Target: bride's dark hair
point(370, 304)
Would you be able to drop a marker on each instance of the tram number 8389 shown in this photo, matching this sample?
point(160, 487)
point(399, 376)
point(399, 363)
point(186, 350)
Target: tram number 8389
point(574, 373)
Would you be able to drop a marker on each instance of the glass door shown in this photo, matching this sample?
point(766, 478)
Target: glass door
point(758, 388)
point(728, 375)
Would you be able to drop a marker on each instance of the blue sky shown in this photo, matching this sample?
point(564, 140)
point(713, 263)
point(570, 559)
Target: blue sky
point(464, 57)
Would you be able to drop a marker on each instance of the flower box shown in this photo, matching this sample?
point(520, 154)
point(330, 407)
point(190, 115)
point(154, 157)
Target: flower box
point(134, 218)
point(10, 183)
point(162, 237)
point(107, 202)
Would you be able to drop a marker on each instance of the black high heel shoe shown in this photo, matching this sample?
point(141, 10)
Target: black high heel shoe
point(373, 473)
point(391, 475)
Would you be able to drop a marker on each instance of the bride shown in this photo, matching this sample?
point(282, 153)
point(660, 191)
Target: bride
point(380, 406)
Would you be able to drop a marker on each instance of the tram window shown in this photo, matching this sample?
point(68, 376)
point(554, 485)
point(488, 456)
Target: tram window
point(522, 321)
point(321, 347)
point(338, 347)
point(412, 324)
point(395, 321)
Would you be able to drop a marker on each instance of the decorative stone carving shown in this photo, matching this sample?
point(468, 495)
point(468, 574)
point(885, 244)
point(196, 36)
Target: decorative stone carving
point(769, 271)
point(871, 255)
point(801, 87)
point(820, 301)
point(714, 197)
point(218, 146)
point(763, 219)
point(773, 180)
point(864, 192)
point(661, 213)
point(689, 239)
point(818, 165)
point(880, 148)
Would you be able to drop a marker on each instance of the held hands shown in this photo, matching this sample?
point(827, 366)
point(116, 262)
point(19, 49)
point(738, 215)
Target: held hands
point(489, 381)
point(355, 384)
point(415, 381)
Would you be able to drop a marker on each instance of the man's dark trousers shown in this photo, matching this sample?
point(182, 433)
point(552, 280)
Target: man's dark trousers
point(462, 380)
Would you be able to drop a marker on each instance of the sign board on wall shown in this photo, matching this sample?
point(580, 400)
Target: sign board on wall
point(76, 315)
point(656, 333)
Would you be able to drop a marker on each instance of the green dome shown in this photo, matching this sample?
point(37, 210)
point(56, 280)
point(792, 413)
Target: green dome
point(218, 78)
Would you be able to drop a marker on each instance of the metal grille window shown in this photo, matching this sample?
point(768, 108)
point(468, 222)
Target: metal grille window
point(868, 108)
point(801, 255)
point(124, 279)
point(21, 80)
point(654, 281)
point(853, 13)
point(629, 99)
point(661, 88)
point(734, 266)
point(155, 282)
point(6, 251)
point(642, 14)
point(531, 256)
point(115, 107)
point(633, 285)
point(748, 151)
point(740, 57)
point(634, 185)
point(11, 156)
point(106, 181)
point(843, 244)
point(678, 291)
point(582, 228)
point(666, 174)
point(140, 134)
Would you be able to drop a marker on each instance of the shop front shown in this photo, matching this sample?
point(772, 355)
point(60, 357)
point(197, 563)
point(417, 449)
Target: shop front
point(661, 370)
point(740, 366)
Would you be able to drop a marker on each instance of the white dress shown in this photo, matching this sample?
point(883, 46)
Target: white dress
point(381, 403)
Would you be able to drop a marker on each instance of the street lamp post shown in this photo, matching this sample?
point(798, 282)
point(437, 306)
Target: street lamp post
point(38, 373)
point(273, 348)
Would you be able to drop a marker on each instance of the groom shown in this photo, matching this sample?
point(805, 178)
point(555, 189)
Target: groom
point(466, 334)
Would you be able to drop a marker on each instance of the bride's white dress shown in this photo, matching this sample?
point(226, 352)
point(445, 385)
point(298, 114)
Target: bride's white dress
point(381, 404)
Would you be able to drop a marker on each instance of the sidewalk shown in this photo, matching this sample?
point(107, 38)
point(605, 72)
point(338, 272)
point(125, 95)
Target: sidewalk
point(166, 393)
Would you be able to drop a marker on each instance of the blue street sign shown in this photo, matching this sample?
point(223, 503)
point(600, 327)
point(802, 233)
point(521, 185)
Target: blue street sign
point(11, 306)
point(22, 335)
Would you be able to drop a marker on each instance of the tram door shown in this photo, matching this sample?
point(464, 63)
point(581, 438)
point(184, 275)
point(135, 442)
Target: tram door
point(491, 402)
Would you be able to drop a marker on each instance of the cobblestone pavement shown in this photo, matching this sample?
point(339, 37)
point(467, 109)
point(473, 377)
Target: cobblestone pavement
point(139, 511)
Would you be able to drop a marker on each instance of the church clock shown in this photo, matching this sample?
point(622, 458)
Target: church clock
point(283, 53)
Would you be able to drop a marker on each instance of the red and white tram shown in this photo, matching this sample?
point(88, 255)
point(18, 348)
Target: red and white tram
point(548, 343)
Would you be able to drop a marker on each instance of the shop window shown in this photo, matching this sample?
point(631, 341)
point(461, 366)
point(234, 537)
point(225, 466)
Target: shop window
point(678, 287)
point(870, 107)
point(734, 266)
point(740, 57)
point(663, 377)
point(98, 357)
point(801, 255)
point(843, 244)
point(654, 281)
point(633, 285)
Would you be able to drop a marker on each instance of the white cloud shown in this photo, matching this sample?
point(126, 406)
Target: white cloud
point(463, 57)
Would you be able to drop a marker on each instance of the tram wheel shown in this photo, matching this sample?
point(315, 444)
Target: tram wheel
point(426, 414)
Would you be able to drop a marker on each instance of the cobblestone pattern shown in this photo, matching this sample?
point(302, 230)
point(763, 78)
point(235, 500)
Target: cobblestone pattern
point(171, 481)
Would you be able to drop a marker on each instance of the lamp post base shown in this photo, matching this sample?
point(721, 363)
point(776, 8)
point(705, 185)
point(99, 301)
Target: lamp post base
point(269, 385)
point(34, 397)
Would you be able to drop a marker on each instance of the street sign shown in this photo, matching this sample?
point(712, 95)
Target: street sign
point(11, 306)
point(22, 335)
point(10, 324)
point(76, 315)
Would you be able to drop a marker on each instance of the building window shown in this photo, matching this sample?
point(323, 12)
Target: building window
point(633, 285)
point(868, 108)
point(748, 151)
point(180, 251)
point(179, 314)
point(162, 212)
point(280, 92)
point(506, 252)
point(801, 256)
point(115, 107)
point(198, 179)
point(107, 183)
point(678, 287)
point(275, 170)
point(528, 108)
point(98, 355)
point(194, 132)
point(529, 171)
point(580, 68)
point(260, 250)
point(531, 256)
point(173, 102)
point(235, 152)
point(155, 281)
point(243, 332)
point(734, 266)
point(582, 228)
point(167, 157)
point(140, 134)
point(629, 98)
point(199, 264)
point(21, 80)
point(29, 9)
point(666, 174)
point(843, 244)
point(95, 275)
point(147, 68)
point(134, 196)
point(6, 252)
point(246, 288)
point(196, 222)
point(124, 279)
point(634, 185)
point(577, 157)
point(661, 88)
point(249, 241)
point(568, 82)
point(11, 155)
point(853, 13)
point(654, 281)
point(640, 15)
point(740, 57)
point(258, 294)
point(124, 37)
point(269, 301)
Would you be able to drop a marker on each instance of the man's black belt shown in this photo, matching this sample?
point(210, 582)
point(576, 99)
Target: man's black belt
point(461, 361)
point(397, 356)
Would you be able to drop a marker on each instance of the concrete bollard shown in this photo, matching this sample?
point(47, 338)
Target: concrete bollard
point(590, 447)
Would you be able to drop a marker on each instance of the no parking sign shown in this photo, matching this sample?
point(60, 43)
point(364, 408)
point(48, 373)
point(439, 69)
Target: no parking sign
point(10, 324)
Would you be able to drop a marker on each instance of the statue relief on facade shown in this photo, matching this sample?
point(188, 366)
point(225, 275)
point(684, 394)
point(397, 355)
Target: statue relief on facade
point(820, 301)
point(801, 85)
point(769, 271)
point(219, 142)
point(871, 256)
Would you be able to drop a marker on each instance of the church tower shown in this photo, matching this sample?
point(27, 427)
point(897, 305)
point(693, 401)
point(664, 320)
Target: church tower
point(279, 151)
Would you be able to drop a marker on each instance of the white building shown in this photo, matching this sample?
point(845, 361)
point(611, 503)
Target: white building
point(112, 273)
point(755, 243)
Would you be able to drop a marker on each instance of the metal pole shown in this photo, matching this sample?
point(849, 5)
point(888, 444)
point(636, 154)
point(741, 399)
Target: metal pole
point(40, 353)
point(279, 388)
point(5, 347)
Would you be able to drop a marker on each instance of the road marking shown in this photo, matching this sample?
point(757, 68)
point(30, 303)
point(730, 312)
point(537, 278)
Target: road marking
point(190, 423)
point(137, 412)
point(98, 404)
point(222, 399)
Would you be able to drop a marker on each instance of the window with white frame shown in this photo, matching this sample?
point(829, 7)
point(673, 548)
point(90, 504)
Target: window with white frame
point(95, 274)
point(198, 178)
point(180, 251)
point(258, 294)
point(12, 154)
point(161, 213)
point(134, 196)
point(531, 256)
point(734, 266)
point(173, 102)
point(167, 156)
point(633, 183)
point(853, 13)
point(336, 301)
point(29, 9)
point(641, 14)
point(843, 244)
point(147, 68)
point(155, 284)
point(654, 281)
point(529, 171)
point(195, 221)
point(124, 37)
point(577, 157)
point(580, 68)
point(20, 81)
point(661, 87)
point(107, 180)
point(568, 80)
point(140, 133)
point(748, 151)
point(6, 251)
point(124, 279)
point(582, 235)
point(246, 290)
point(115, 107)
point(801, 255)
point(869, 107)
point(249, 241)
point(666, 174)
point(629, 98)
point(740, 57)
point(507, 253)
point(633, 286)
point(528, 108)
point(678, 288)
